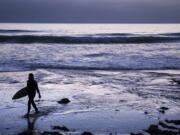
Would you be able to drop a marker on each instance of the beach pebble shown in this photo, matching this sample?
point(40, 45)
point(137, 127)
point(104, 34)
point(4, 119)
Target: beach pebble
point(63, 128)
point(176, 122)
point(51, 133)
point(86, 133)
point(64, 101)
point(153, 129)
point(136, 134)
point(163, 109)
point(164, 125)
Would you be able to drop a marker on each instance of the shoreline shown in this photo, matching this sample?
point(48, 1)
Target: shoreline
point(102, 102)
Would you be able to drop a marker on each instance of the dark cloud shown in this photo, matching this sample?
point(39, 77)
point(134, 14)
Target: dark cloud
point(90, 11)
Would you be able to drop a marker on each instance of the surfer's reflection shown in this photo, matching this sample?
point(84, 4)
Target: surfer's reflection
point(32, 87)
point(30, 124)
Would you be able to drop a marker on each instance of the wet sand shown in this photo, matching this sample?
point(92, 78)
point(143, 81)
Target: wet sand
point(102, 102)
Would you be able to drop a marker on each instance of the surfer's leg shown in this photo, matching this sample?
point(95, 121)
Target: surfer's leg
point(29, 106)
point(34, 105)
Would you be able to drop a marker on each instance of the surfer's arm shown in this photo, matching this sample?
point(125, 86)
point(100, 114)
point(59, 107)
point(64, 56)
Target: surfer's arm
point(38, 91)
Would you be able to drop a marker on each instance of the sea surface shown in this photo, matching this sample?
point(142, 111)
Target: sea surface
point(89, 46)
point(116, 75)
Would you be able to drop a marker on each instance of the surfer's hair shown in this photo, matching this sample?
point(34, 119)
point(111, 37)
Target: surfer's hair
point(31, 76)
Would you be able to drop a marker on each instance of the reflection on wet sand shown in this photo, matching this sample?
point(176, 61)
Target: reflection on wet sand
point(30, 126)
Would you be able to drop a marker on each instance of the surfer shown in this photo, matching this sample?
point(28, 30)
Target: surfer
point(32, 87)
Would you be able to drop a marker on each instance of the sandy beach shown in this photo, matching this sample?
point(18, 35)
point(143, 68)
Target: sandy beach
point(102, 102)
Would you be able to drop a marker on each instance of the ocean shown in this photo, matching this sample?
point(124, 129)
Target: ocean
point(118, 77)
point(89, 46)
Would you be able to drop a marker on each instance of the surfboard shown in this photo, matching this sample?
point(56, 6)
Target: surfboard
point(21, 93)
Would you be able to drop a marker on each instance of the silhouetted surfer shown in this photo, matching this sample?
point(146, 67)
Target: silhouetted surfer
point(32, 87)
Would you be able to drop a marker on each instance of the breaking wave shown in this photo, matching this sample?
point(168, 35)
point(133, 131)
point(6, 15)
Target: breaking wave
point(15, 31)
point(91, 39)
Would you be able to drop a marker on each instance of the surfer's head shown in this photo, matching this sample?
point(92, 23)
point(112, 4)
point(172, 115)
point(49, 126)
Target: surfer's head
point(31, 76)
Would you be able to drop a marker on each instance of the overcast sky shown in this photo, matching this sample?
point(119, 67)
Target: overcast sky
point(90, 11)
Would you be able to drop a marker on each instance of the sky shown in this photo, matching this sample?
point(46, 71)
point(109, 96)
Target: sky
point(90, 11)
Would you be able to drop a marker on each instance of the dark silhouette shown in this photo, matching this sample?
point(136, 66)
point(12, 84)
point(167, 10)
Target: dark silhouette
point(30, 126)
point(32, 88)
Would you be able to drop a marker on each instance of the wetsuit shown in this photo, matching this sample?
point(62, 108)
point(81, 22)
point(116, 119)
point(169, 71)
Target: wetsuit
point(32, 88)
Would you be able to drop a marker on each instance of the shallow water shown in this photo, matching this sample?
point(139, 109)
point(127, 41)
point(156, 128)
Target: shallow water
point(101, 101)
